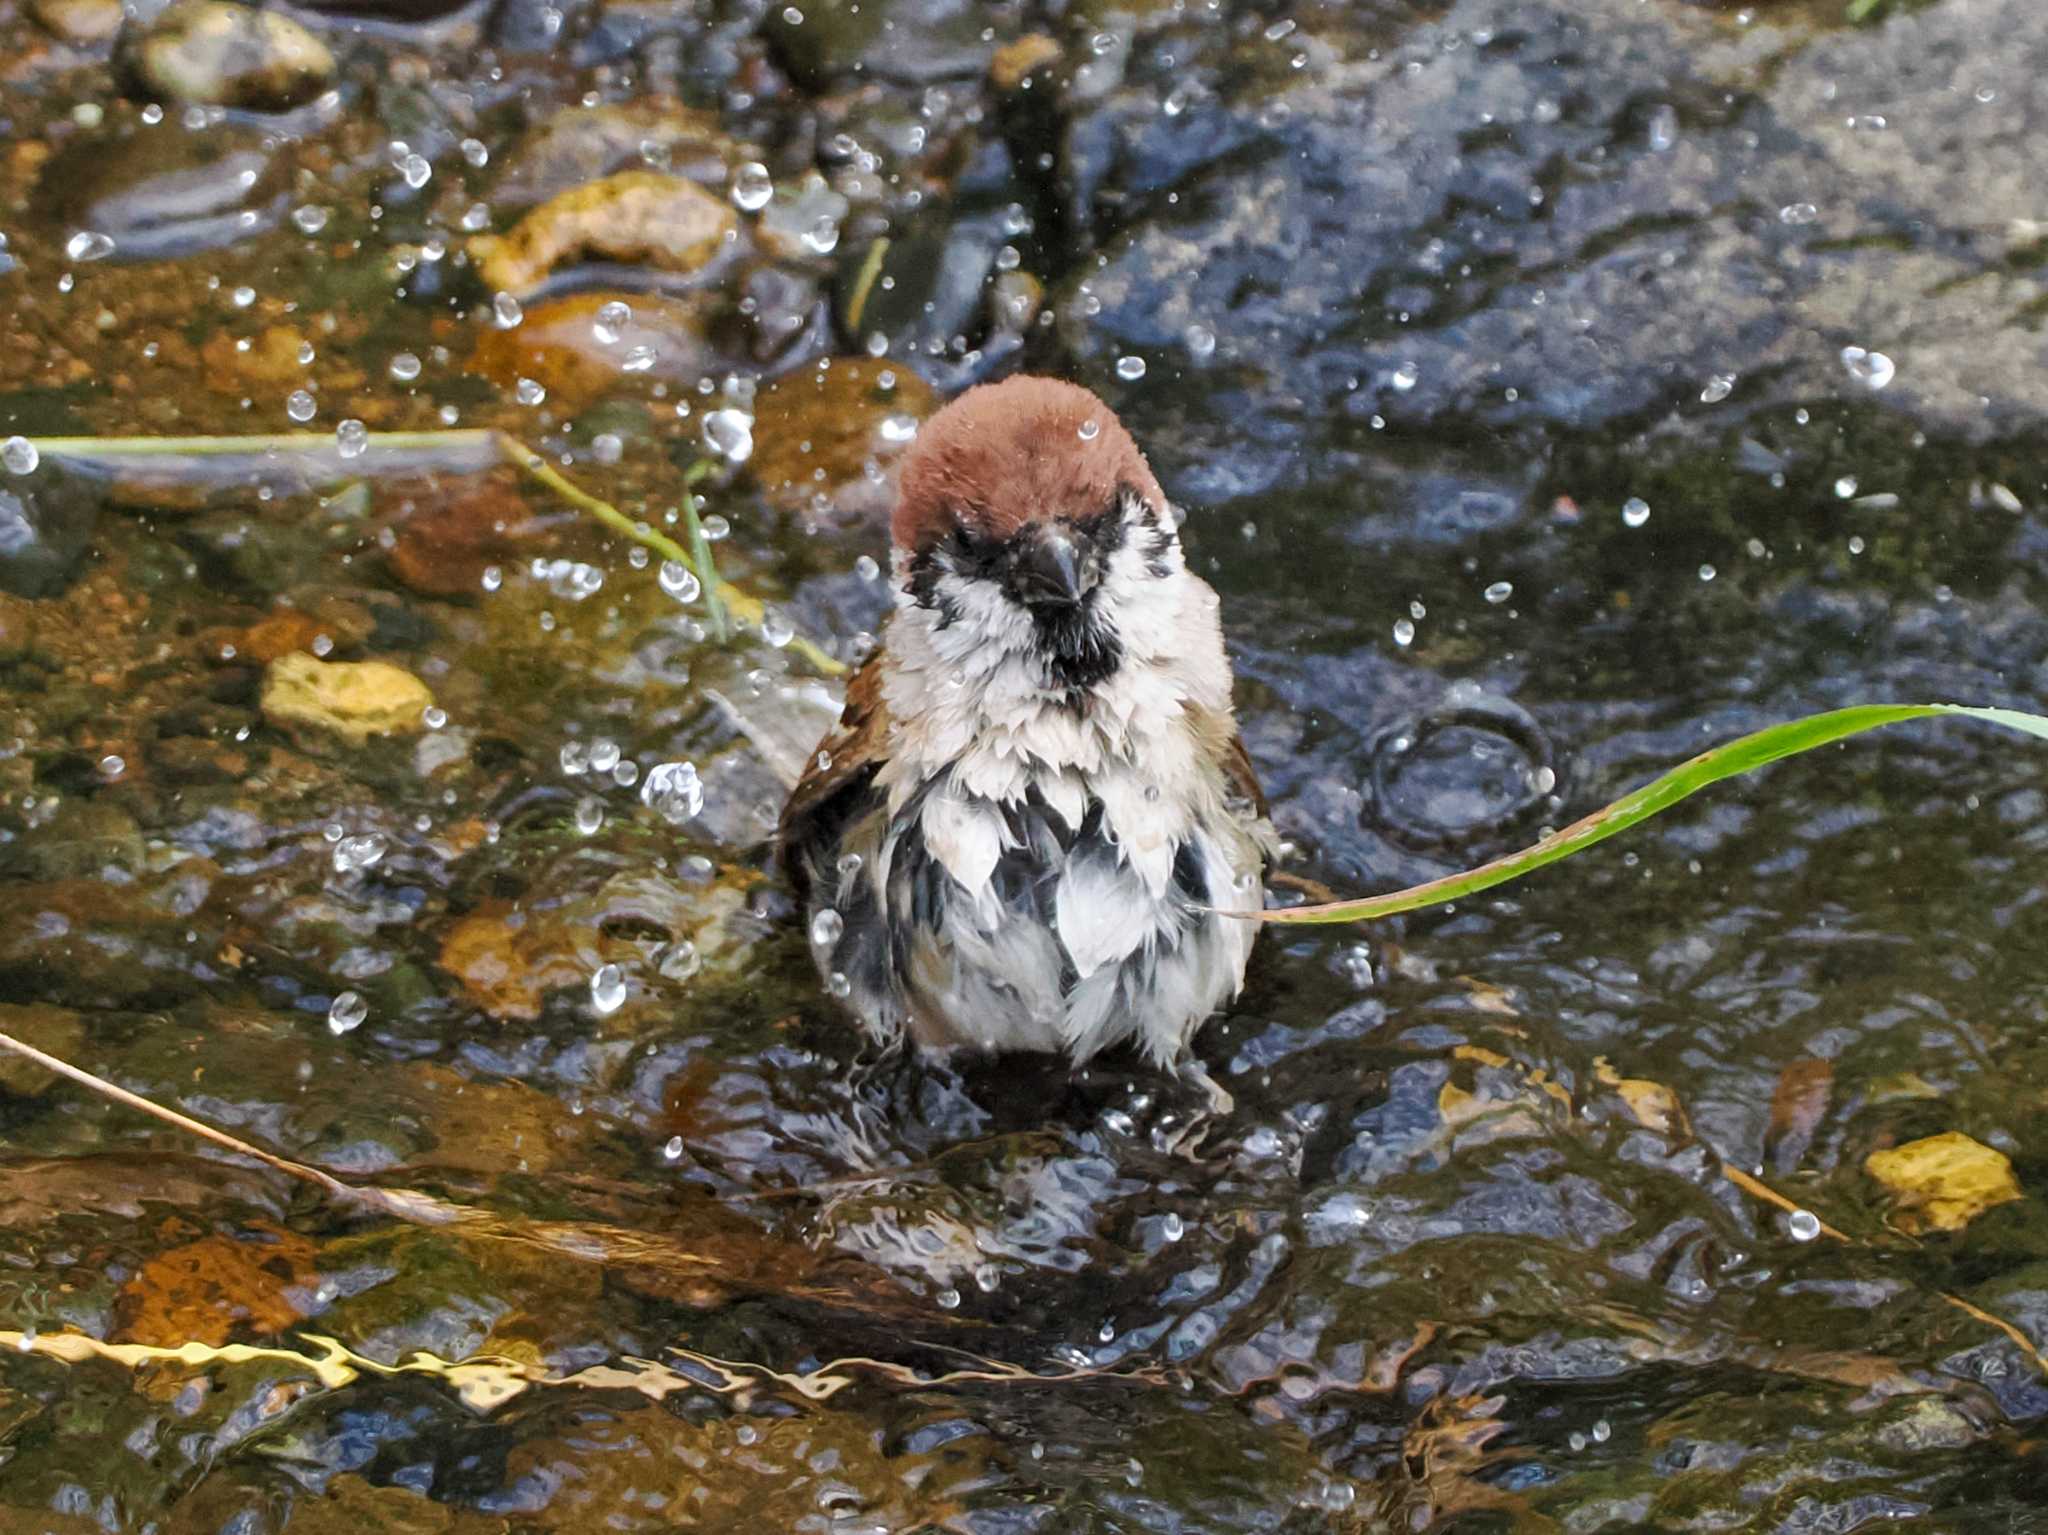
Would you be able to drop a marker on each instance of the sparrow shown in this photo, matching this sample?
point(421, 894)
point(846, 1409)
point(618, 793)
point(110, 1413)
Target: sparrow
point(1034, 820)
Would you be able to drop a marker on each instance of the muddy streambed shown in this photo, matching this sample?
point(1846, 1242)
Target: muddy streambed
point(1551, 389)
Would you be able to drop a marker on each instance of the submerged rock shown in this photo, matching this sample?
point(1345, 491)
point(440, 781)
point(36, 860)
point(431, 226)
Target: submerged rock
point(166, 191)
point(581, 145)
point(351, 699)
point(81, 22)
point(826, 438)
point(46, 528)
point(217, 53)
point(913, 42)
point(586, 344)
point(642, 218)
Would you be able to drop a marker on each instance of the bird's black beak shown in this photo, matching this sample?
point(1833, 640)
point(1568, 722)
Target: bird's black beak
point(1047, 572)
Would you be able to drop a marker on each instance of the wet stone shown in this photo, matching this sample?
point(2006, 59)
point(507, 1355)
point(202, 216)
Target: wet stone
point(350, 699)
point(569, 149)
point(637, 218)
point(56, 1031)
point(80, 22)
point(929, 298)
point(46, 529)
point(218, 53)
point(566, 346)
point(827, 438)
point(912, 42)
point(166, 191)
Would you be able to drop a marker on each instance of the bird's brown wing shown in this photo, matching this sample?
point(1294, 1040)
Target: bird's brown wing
point(1244, 778)
point(842, 766)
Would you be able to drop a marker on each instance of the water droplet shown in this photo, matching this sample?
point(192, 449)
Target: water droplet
point(826, 928)
point(1200, 342)
point(848, 865)
point(1635, 511)
point(837, 984)
point(986, 1277)
point(1707, 572)
point(604, 755)
point(679, 581)
point(672, 1149)
point(434, 717)
point(506, 312)
point(347, 1012)
point(19, 455)
point(1356, 963)
point(897, 428)
point(1872, 369)
point(715, 527)
point(1173, 1228)
point(1090, 430)
point(611, 320)
point(476, 152)
point(673, 791)
point(243, 296)
point(1406, 377)
point(948, 1299)
point(589, 815)
point(1719, 387)
point(607, 990)
point(729, 433)
point(1404, 632)
point(822, 237)
point(310, 219)
point(492, 578)
point(1798, 213)
point(776, 629)
point(1663, 129)
point(866, 568)
point(300, 405)
point(529, 391)
point(752, 187)
point(1130, 368)
point(575, 758)
point(1845, 487)
point(1804, 1225)
point(1500, 591)
point(405, 367)
point(417, 170)
point(89, 245)
point(364, 851)
point(1602, 1431)
point(351, 438)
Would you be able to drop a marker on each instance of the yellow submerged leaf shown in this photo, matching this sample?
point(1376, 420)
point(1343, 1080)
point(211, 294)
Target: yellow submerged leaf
point(1943, 1182)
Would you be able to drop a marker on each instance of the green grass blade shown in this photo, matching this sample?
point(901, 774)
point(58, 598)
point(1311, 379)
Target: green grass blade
point(1738, 756)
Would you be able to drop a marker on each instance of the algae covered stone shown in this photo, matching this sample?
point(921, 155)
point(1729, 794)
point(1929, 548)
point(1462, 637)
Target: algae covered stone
point(351, 699)
point(640, 218)
point(1943, 1182)
point(215, 53)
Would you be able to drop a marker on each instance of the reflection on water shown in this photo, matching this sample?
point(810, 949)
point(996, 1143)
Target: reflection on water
point(1551, 391)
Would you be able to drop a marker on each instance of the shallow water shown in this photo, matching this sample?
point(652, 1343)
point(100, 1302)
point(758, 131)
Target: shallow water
point(1513, 366)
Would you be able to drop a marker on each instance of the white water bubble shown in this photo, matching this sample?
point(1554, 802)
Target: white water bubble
point(1635, 511)
point(729, 433)
point(607, 990)
point(364, 851)
point(1845, 487)
point(492, 578)
point(673, 791)
point(529, 391)
point(776, 629)
point(752, 186)
point(1130, 368)
point(609, 448)
point(310, 218)
point(1804, 1225)
point(715, 527)
point(1871, 369)
point(19, 455)
point(604, 755)
point(672, 1149)
point(1172, 1227)
point(476, 152)
point(897, 428)
point(1798, 213)
point(1200, 342)
point(243, 296)
point(1663, 128)
point(826, 928)
point(867, 568)
point(300, 405)
point(1499, 592)
point(506, 312)
point(89, 245)
point(1718, 388)
point(679, 581)
point(347, 1012)
point(1089, 430)
point(575, 758)
point(405, 367)
point(611, 320)
point(417, 170)
point(822, 238)
point(1404, 633)
point(433, 716)
point(589, 815)
point(351, 438)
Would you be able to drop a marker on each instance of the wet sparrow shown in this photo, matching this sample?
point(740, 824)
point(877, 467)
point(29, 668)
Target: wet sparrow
point(1036, 794)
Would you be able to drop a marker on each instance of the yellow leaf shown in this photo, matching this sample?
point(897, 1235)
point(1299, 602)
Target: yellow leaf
point(1943, 1182)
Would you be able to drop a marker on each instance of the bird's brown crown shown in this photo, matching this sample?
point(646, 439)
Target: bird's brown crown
point(1009, 454)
